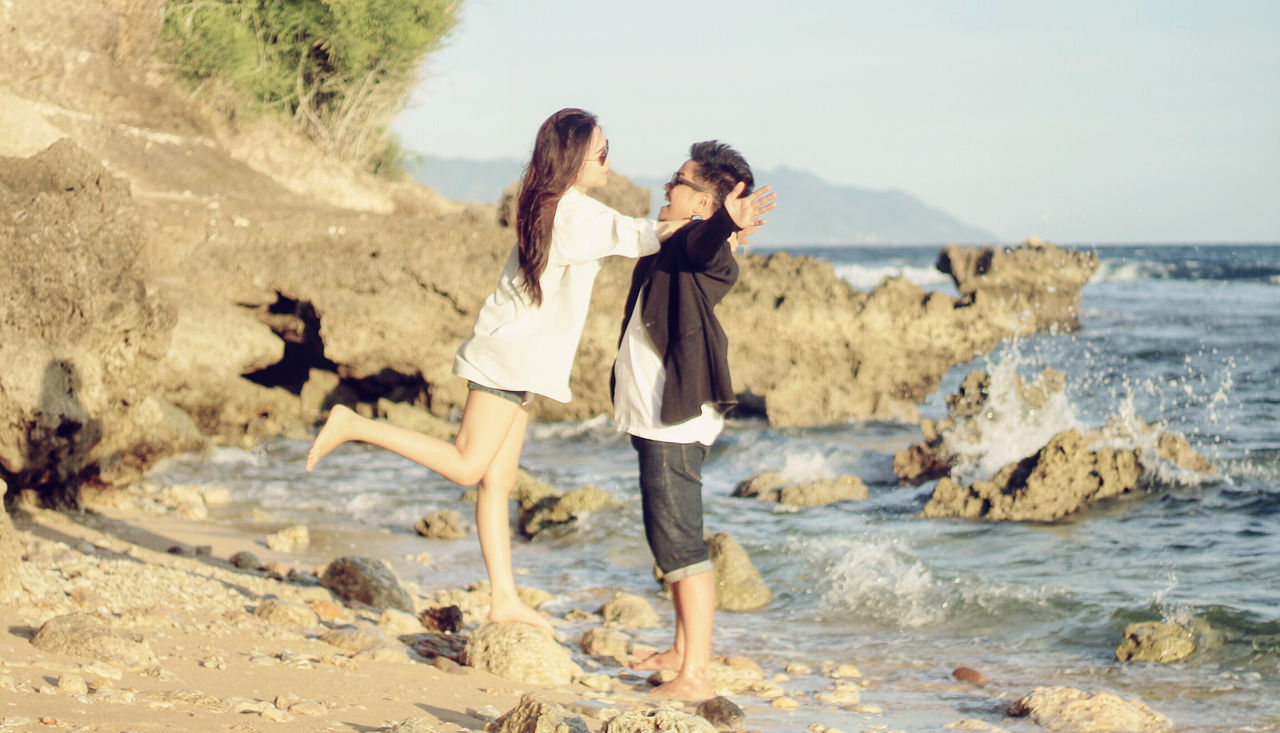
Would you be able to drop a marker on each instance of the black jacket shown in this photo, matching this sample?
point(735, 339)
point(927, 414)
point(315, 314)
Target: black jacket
point(682, 283)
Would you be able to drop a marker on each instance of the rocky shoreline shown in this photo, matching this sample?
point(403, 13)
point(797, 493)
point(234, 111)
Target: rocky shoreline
point(173, 281)
point(133, 616)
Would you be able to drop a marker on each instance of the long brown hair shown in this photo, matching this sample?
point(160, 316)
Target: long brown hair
point(558, 153)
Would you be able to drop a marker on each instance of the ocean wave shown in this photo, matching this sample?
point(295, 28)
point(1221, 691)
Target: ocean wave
point(1202, 267)
point(886, 585)
point(598, 426)
point(1122, 271)
point(865, 277)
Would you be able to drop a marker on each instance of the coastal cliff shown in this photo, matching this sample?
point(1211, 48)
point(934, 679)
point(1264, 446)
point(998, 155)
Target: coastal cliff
point(174, 281)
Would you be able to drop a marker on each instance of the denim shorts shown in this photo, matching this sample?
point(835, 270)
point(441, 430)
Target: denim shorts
point(520, 398)
point(671, 499)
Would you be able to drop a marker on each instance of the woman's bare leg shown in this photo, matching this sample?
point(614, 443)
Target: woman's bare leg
point(493, 526)
point(486, 421)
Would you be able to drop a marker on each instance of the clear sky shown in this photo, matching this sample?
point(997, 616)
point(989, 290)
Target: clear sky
point(1087, 121)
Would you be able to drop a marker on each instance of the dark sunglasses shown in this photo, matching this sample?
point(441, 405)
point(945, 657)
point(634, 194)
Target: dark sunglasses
point(604, 154)
point(679, 180)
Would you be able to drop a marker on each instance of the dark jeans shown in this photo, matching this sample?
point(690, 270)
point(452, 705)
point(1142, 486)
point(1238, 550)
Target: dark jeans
point(671, 496)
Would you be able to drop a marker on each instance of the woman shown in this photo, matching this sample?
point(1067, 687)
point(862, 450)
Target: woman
point(525, 337)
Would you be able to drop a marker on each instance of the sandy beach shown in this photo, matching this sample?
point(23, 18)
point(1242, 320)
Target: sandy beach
point(179, 638)
point(220, 663)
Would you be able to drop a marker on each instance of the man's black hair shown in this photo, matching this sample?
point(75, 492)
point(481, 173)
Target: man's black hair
point(721, 167)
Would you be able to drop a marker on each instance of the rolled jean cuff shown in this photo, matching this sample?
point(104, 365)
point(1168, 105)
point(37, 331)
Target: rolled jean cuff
point(688, 571)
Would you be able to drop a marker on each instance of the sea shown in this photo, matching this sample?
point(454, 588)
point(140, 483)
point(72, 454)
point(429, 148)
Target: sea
point(1183, 336)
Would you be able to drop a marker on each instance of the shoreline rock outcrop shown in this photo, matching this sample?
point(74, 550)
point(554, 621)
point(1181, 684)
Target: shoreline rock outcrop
point(169, 288)
point(1073, 469)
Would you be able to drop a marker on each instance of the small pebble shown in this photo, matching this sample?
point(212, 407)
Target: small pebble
point(73, 684)
point(722, 713)
point(966, 674)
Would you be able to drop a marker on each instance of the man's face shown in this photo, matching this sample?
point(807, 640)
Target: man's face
point(684, 200)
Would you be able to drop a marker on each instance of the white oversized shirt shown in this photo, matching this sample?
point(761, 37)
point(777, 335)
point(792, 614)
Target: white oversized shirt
point(637, 392)
point(521, 347)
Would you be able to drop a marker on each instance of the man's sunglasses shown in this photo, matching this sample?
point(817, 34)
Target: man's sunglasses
point(679, 180)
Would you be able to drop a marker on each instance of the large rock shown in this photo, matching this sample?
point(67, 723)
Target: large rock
point(630, 611)
point(1073, 468)
point(281, 264)
point(521, 653)
point(1017, 279)
point(771, 486)
point(535, 715)
point(86, 635)
point(657, 720)
point(81, 329)
point(368, 581)
point(739, 585)
point(559, 509)
point(817, 351)
point(1067, 710)
point(982, 404)
point(1155, 641)
point(1061, 478)
point(10, 555)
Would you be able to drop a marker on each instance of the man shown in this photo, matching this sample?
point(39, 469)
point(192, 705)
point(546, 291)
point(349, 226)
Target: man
point(671, 388)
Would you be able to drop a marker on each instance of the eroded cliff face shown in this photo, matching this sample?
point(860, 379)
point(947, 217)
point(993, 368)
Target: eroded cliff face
point(171, 280)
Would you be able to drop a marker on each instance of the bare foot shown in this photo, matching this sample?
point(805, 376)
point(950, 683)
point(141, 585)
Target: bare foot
point(333, 434)
point(669, 659)
point(691, 688)
point(517, 611)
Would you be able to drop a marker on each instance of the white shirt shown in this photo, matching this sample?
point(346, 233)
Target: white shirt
point(518, 346)
point(637, 392)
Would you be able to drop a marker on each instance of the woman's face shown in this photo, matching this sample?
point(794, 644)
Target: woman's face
point(595, 167)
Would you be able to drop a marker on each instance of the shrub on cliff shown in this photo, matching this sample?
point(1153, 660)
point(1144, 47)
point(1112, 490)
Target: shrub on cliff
point(342, 69)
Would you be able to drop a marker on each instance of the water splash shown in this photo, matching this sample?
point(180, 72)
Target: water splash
point(807, 465)
point(1009, 428)
point(1112, 270)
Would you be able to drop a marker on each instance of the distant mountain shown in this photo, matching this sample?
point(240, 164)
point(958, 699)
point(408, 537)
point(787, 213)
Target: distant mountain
point(460, 179)
point(810, 211)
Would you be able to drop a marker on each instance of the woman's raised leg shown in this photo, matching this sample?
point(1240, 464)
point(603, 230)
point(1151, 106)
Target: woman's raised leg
point(486, 421)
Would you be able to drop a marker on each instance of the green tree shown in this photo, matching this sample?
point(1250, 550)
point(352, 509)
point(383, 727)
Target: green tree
point(341, 69)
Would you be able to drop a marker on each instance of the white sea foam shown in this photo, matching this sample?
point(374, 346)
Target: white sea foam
point(562, 430)
point(1008, 429)
point(867, 278)
point(806, 465)
point(884, 583)
point(1120, 270)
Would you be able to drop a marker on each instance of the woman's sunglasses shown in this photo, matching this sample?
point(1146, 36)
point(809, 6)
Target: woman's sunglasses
point(604, 154)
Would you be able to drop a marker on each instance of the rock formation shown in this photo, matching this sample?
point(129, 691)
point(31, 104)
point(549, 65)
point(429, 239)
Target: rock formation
point(520, 652)
point(175, 281)
point(1067, 709)
point(366, 580)
point(771, 486)
point(1155, 641)
point(1073, 468)
point(1057, 480)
